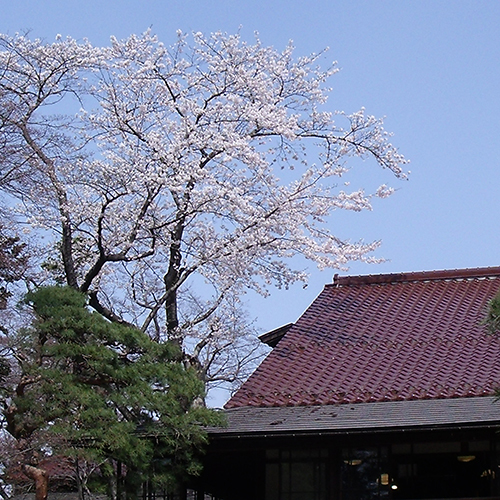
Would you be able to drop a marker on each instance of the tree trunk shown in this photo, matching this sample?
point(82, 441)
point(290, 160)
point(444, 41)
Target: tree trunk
point(41, 481)
point(113, 487)
point(113, 480)
point(79, 482)
point(171, 280)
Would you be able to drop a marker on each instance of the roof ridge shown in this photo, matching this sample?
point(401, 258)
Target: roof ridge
point(440, 275)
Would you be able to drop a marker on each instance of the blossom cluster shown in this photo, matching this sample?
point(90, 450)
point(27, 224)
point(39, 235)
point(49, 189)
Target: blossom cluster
point(148, 167)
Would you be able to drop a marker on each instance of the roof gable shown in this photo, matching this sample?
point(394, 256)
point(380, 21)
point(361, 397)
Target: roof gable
point(384, 338)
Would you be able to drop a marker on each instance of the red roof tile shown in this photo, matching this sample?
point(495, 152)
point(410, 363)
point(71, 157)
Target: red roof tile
point(384, 338)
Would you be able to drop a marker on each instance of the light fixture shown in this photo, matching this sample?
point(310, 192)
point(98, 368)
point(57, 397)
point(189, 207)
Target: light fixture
point(466, 458)
point(394, 486)
point(384, 479)
point(353, 461)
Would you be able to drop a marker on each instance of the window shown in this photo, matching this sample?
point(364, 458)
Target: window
point(296, 474)
point(365, 473)
point(443, 469)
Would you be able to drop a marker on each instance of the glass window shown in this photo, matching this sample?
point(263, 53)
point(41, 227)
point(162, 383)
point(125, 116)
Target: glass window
point(296, 475)
point(365, 473)
point(443, 469)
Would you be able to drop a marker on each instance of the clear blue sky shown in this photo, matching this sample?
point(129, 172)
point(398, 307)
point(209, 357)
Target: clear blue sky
point(432, 67)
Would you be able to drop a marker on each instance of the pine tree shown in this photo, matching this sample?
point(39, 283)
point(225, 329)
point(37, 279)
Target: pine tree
point(105, 393)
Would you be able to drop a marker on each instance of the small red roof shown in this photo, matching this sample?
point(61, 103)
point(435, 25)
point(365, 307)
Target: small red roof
point(384, 338)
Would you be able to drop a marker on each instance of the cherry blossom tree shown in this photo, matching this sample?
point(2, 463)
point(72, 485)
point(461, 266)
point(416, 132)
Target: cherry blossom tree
point(167, 181)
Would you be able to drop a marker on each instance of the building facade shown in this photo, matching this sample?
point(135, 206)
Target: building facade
point(384, 388)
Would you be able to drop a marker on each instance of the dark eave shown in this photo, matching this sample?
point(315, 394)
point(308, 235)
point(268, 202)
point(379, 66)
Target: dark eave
point(274, 336)
point(361, 417)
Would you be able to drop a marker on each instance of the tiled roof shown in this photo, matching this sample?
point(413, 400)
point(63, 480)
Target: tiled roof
point(384, 338)
point(390, 415)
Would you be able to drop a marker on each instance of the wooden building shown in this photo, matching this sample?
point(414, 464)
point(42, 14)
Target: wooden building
point(383, 389)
